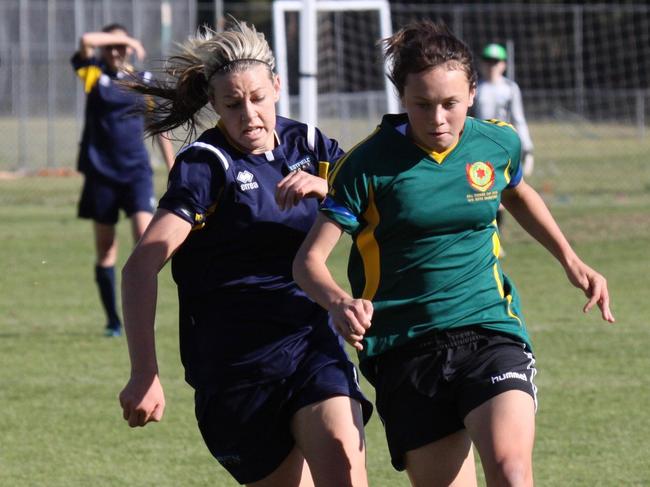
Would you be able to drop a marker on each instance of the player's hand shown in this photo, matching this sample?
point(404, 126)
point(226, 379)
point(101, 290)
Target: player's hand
point(529, 164)
point(142, 400)
point(135, 47)
point(298, 185)
point(352, 317)
point(594, 285)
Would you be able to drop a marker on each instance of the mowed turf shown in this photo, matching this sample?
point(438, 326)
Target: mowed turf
point(61, 425)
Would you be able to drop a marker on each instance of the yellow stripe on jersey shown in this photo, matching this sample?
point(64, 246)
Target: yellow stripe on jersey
point(369, 248)
point(200, 219)
point(495, 270)
point(323, 169)
point(506, 172)
point(89, 75)
point(496, 244)
point(341, 161)
point(501, 123)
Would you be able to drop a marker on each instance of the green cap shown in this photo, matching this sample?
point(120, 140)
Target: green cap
point(495, 51)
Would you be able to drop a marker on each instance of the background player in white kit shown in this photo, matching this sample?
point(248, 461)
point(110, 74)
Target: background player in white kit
point(498, 97)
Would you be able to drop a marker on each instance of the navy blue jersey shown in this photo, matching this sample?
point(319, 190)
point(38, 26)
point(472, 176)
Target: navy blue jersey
point(242, 315)
point(112, 144)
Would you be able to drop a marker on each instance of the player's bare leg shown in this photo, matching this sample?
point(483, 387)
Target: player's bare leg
point(503, 430)
point(448, 462)
point(105, 244)
point(293, 472)
point(330, 435)
point(139, 222)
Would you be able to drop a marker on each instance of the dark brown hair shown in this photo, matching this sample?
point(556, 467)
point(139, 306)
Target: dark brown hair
point(422, 45)
point(115, 26)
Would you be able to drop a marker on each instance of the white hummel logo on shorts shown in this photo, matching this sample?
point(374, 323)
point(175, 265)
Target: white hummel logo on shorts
point(508, 375)
point(246, 181)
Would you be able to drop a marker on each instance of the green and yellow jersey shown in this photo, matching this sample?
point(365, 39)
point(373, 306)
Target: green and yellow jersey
point(425, 241)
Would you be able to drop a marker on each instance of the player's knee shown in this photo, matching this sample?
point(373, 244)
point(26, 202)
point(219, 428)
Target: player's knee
point(512, 472)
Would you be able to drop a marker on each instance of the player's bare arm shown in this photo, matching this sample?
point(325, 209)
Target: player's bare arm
point(528, 208)
point(142, 398)
point(352, 317)
point(91, 40)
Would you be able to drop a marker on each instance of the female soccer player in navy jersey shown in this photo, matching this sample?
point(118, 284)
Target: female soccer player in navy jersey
point(112, 155)
point(277, 400)
point(437, 322)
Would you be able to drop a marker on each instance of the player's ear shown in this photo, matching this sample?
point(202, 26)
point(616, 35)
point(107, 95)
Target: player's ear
point(472, 94)
point(276, 87)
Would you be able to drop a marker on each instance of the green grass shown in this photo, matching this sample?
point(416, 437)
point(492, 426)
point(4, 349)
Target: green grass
point(60, 422)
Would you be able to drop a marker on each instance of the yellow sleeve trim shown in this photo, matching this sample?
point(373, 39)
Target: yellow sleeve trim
point(369, 248)
point(89, 75)
point(323, 169)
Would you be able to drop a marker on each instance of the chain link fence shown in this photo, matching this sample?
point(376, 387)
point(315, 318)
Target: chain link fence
point(584, 72)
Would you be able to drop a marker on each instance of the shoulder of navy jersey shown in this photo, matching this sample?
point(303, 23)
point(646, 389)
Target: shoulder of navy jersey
point(80, 62)
point(290, 131)
point(196, 179)
point(209, 147)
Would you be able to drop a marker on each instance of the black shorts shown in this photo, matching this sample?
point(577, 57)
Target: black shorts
point(248, 429)
point(101, 199)
point(426, 388)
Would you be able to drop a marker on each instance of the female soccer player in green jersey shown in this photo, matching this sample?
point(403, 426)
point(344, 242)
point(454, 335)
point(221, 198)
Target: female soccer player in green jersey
point(435, 320)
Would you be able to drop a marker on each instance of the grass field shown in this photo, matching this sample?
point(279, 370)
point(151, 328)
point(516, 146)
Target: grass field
point(60, 423)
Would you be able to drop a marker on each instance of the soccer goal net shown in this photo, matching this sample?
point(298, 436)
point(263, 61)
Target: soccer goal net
point(351, 90)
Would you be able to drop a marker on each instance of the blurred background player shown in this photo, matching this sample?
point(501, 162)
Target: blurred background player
point(112, 155)
point(277, 400)
point(499, 98)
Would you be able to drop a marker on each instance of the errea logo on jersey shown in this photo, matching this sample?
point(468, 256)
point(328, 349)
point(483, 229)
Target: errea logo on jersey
point(247, 181)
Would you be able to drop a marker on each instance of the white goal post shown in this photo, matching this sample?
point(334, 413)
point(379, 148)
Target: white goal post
point(309, 49)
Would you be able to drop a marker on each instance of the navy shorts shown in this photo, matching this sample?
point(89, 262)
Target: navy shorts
point(247, 429)
point(101, 200)
point(426, 388)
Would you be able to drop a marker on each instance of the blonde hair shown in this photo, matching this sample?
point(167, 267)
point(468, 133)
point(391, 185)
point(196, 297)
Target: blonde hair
point(208, 53)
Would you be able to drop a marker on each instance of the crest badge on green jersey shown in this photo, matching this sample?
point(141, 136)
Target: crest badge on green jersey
point(480, 175)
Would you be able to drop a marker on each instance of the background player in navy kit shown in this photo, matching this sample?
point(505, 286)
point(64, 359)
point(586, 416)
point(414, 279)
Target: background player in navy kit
point(277, 400)
point(112, 155)
point(435, 319)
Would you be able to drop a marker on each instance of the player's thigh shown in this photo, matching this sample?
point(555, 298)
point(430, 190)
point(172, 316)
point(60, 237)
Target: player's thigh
point(139, 222)
point(293, 472)
point(446, 462)
point(503, 430)
point(330, 435)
